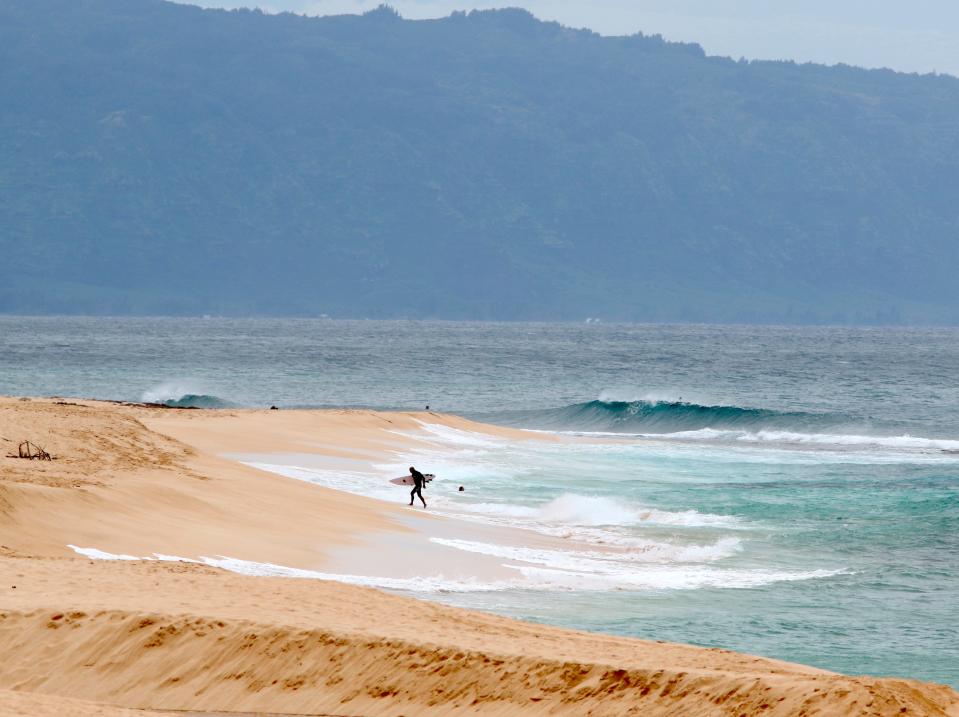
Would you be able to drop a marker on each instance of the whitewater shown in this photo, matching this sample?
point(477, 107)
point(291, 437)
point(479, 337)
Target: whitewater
point(792, 492)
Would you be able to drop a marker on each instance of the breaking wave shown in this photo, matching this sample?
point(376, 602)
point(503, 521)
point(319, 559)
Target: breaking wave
point(685, 421)
point(183, 395)
point(646, 416)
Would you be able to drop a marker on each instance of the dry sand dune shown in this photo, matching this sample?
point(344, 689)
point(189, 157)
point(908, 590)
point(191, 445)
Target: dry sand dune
point(177, 636)
point(124, 488)
point(28, 704)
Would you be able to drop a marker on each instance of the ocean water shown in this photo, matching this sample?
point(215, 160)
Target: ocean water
point(791, 492)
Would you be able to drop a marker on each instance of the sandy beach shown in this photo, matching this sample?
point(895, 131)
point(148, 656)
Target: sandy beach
point(80, 636)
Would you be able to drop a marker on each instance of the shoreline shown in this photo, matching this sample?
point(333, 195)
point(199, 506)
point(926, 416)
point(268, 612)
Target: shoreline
point(135, 480)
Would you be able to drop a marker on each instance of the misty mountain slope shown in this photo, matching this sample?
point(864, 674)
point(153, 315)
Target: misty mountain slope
point(159, 158)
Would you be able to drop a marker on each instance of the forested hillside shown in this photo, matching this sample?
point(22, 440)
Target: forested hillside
point(162, 159)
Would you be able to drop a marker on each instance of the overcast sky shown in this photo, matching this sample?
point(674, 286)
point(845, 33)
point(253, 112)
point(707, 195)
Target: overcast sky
point(913, 35)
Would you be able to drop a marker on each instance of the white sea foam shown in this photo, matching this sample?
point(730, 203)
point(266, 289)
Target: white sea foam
point(597, 561)
point(454, 437)
point(595, 519)
point(425, 584)
point(581, 574)
point(95, 554)
point(816, 439)
point(669, 578)
point(585, 511)
point(172, 391)
point(788, 447)
point(355, 482)
point(467, 455)
point(506, 511)
point(903, 441)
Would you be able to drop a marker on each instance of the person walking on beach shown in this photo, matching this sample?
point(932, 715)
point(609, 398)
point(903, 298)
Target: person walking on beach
point(419, 481)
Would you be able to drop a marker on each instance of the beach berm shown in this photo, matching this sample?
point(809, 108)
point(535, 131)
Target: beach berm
point(91, 637)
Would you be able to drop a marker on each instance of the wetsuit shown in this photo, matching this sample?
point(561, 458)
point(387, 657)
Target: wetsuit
point(419, 481)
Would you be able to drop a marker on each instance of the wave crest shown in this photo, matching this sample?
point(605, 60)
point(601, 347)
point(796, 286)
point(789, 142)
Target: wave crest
point(183, 395)
point(651, 417)
point(667, 416)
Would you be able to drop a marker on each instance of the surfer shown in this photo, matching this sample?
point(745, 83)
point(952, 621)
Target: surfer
point(419, 480)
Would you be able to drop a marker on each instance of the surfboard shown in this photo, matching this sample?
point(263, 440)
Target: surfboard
point(408, 480)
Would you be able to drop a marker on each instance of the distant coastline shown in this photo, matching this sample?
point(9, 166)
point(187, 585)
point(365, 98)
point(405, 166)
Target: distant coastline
point(485, 166)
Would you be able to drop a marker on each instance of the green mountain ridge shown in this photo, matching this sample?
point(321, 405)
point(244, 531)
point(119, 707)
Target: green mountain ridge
point(163, 159)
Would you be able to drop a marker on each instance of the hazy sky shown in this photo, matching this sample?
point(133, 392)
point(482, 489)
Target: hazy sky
point(913, 35)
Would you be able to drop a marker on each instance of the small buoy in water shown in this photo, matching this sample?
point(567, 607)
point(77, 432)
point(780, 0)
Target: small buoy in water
point(462, 489)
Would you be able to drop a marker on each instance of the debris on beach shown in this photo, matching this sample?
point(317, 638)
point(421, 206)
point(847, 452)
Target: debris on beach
point(31, 451)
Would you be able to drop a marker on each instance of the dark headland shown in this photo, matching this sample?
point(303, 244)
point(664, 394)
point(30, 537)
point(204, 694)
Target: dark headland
point(163, 159)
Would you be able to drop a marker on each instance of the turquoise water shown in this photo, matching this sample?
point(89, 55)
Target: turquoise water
point(881, 531)
point(782, 491)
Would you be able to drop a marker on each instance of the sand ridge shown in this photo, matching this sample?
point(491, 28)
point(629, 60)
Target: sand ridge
point(188, 637)
point(180, 636)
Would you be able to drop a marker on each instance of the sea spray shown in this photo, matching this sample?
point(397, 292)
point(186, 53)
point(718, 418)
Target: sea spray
point(587, 510)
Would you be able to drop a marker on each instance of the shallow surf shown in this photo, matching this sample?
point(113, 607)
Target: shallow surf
point(785, 491)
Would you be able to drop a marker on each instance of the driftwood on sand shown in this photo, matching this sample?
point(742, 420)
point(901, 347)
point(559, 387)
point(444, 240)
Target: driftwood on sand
point(31, 451)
